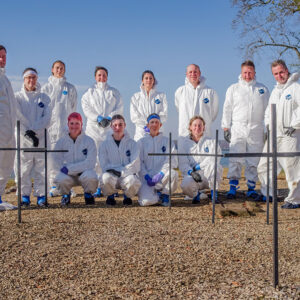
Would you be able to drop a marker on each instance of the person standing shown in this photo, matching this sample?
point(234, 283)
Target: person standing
point(99, 103)
point(243, 125)
point(195, 98)
point(34, 113)
point(7, 125)
point(286, 96)
point(146, 102)
point(63, 97)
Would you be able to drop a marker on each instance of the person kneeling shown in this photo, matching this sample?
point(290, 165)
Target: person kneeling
point(155, 169)
point(198, 171)
point(77, 166)
point(120, 163)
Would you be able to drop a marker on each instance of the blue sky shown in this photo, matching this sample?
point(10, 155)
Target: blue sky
point(127, 37)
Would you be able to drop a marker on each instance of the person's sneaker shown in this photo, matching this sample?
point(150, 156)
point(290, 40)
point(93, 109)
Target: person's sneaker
point(110, 200)
point(253, 194)
point(41, 201)
point(98, 193)
point(54, 191)
point(25, 201)
point(127, 201)
point(196, 200)
point(165, 200)
point(65, 200)
point(212, 197)
point(89, 199)
point(0, 200)
point(289, 205)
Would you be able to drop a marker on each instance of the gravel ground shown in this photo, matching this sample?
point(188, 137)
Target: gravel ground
point(100, 252)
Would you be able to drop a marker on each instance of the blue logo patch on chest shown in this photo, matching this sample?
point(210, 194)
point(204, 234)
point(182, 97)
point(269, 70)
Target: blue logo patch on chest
point(128, 153)
point(157, 101)
point(65, 92)
point(163, 149)
point(288, 97)
point(206, 149)
point(85, 151)
point(261, 91)
point(205, 100)
point(41, 104)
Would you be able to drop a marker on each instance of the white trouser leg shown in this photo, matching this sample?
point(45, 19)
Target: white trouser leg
point(89, 181)
point(130, 185)
point(108, 184)
point(147, 195)
point(236, 163)
point(174, 182)
point(27, 162)
point(39, 175)
point(65, 182)
point(6, 166)
point(190, 187)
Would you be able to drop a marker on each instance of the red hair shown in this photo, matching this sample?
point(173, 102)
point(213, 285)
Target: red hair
point(76, 116)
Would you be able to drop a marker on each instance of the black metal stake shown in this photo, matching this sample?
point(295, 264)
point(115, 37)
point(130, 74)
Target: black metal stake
point(46, 169)
point(268, 175)
point(215, 177)
point(19, 171)
point(170, 167)
point(275, 207)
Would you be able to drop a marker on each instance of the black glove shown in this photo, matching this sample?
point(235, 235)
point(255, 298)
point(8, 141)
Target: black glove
point(30, 134)
point(227, 136)
point(196, 176)
point(104, 123)
point(289, 131)
point(114, 172)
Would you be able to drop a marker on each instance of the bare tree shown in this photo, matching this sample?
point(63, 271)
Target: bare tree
point(269, 24)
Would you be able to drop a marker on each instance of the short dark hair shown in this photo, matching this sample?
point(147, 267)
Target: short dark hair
point(278, 62)
point(100, 68)
point(117, 117)
point(29, 69)
point(248, 63)
point(149, 72)
point(3, 48)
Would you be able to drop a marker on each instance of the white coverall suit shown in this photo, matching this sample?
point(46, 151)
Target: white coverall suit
point(186, 145)
point(142, 105)
point(103, 100)
point(80, 161)
point(123, 158)
point(34, 113)
point(243, 114)
point(287, 99)
point(152, 165)
point(63, 97)
point(7, 129)
point(190, 101)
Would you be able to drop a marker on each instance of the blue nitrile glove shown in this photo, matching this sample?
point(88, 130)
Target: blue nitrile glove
point(190, 172)
point(149, 180)
point(64, 170)
point(146, 129)
point(158, 177)
point(99, 118)
point(108, 118)
point(197, 167)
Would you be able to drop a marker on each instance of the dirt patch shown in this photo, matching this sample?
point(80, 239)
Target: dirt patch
point(137, 252)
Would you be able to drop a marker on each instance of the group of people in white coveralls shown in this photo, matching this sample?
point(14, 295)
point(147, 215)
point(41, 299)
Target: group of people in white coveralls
point(103, 158)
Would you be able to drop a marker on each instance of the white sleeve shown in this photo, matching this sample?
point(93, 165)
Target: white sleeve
point(118, 109)
point(136, 117)
point(143, 170)
point(227, 109)
point(215, 105)
point(74, 99)
point(174, 160)
point(87, 108)
point(164, 114)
